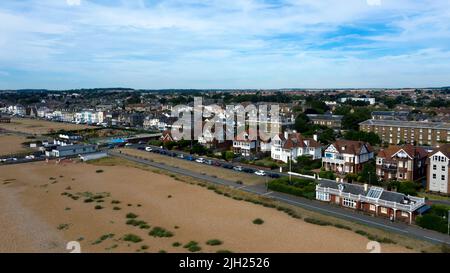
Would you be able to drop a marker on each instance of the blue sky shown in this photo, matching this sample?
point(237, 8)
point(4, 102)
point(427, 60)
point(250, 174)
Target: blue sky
point(62, 44)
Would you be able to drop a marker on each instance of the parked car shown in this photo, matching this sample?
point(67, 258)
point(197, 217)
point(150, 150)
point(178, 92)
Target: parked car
point(260, 173)
point(181, 156)
point(217, 164)
point(141, 148)
point(227, 166)
point(209, 162)
point(200, 160)
point(189, 157)
point(238, 168)
point(248, 170)
point(273, 175)
point(148, 149)
point(128, 144)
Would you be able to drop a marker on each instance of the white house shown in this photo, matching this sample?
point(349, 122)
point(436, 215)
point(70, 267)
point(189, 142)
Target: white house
point(290, 146)
point(347, 156)
point(89, 117)
point(438, 173)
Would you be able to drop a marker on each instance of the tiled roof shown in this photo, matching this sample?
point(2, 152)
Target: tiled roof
point(411, 150)
point(351, 146)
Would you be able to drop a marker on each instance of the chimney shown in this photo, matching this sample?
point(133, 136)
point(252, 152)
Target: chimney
point(315, 137)
point(366, 187)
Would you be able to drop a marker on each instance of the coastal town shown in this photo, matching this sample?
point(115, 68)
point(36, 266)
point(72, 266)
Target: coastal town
point(371, 153)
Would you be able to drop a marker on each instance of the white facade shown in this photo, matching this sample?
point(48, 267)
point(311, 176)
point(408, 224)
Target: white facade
point(245, 147)
point(344, 162)
point(438, 173)
point(279, 152)
point(89, 117)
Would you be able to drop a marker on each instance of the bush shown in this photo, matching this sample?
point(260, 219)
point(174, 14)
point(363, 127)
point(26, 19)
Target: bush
point(258, 221)
point(214, 242)
point(160, 232)
point(299, 187)
point(115, 202)
point(132, 238)
point(99, 171)
point(317, 222)
point(432, 221)
point(223, 251)
point(117, 208)
point(98, 207)
point(176, 244)
point(131, 215)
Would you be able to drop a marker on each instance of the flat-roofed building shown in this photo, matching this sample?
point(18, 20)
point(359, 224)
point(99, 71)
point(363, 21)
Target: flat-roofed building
point(412, 132)
point(438, 170)
point(332, 121)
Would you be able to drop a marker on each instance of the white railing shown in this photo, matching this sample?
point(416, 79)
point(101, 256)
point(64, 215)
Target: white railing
point(418, 202)
point(333, 160)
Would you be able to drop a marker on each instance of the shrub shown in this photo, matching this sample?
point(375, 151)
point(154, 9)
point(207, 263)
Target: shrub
point(89, 200)
point(432, 221)
point(131, 215)
point(299, 187)
point(342, 227)
point(99, 171)
point(132, 238)
point(117, 208)
point(223, 251)
point(98, 207)
point(115, 202)
point(194, 248)
point(144, 247)
point(191, 243)
point(176, 244)
point(317, 222)
point(258, 221)
point(214, 242)
point(160, 232)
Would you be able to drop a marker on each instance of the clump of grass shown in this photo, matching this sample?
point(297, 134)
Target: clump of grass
point(103, 238)
point(135, 222)
point(258, 221)
point(214, 242)
point(317, 222)
point(117, 208)
point(160, 232)
point(131, 215)
point(223, 251)
point(132, 238)
point(67, 208)
point(89, 200)
point(98, 207)
point(63, 227)
point(162, 251)
point(342, 226)
point(192, 246)
point(144, 247)
point(176, 244)
point(115, 202)
point(99, 171)
point(169, 196)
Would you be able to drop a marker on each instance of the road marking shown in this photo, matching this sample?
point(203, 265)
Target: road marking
point(267, 193)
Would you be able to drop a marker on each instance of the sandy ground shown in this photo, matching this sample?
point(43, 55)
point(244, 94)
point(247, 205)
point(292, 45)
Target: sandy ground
point(12, 144)
point(245, 178)
point(39, 127)
point(36, 217)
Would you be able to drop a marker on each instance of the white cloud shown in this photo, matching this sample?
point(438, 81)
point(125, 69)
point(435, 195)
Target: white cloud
point(73, 2)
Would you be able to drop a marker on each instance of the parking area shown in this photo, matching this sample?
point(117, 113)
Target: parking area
point(217, 168)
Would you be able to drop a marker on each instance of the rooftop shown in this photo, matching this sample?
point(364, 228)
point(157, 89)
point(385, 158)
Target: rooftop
point(407, 124)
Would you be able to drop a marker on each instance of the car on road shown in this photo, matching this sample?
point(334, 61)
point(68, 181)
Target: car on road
point(217, 164)
point(29, 157)
point(227, 166)
point(128, 144)
point(190, 158)
point(148, 149)
point(200, 160)
point(260, 173)
point(238, 168)
point(181, 156)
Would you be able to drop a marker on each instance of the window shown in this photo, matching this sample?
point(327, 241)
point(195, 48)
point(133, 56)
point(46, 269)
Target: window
point(383, 210)
point(405, 214)
point(443, 168)
point(442, 177)
point(372, 207)
point(349, 203)
point(322, 196)
point(434, 167)
point(434, 176)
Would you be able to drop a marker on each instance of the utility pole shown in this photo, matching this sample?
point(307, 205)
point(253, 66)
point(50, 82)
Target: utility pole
point(290, 168)
point(448, 223)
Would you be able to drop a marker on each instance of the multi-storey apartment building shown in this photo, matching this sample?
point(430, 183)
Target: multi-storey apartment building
point(413, 132)
point(347, 156)
point(372, 200)
point(402, 163)
point(438, 170)
point(332, 121)
point(289, 146)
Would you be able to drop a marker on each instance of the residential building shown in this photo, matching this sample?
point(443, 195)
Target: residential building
point(89, 117)
point(370, 101)
point(390, 115)
point(401, 163)
point(438, 170)
point(413, 132)
point(372, 200)
point(289, 146)
point(329, 120)
point(347, 156)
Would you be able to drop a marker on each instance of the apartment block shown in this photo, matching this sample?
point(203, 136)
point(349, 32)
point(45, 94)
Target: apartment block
point(412, 132)
point(438, 170)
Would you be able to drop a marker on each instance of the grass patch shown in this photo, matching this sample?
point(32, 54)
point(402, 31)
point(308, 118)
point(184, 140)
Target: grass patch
point(192, 246)
point(115, 202)
point(117, 208)
point(176, 244)
point(131, 215)
point(258, 221)
point(317, 222)
point(98, 207)
point(223, 251)
point(214, 242)
point(298, 187)
point(160, 232)
point(99, 171)
point(132, 238)
point(63, 227)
